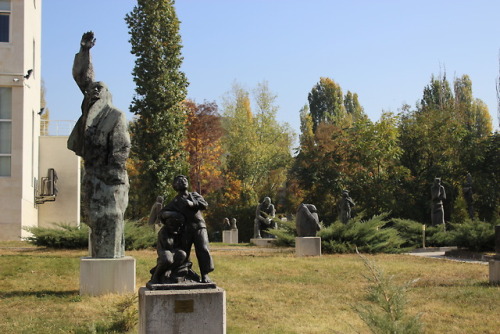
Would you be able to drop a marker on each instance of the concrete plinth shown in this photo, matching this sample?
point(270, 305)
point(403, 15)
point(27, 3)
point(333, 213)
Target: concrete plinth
point(263, 242)
point(495, 271)
point(230, 237)
point(308, 246)
point(102, 276)
point(182, 311)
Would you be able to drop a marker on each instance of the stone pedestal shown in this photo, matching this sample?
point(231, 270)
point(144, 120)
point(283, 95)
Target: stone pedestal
point(230, 237)
point(102, 276)
point(308, 246)
point(182, 311)
point(495, 271)
point(263, 242)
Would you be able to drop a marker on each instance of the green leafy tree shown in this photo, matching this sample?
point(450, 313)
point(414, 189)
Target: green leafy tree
point(442, 138)
point(473, 112)
point(375, 173)
point(258, 148)
point(159, 129)
point(326, 103)
point(437, 94)
point(353, 107)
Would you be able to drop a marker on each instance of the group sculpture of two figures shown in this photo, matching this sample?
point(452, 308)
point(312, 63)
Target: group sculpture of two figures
point(101, 138)
point(182, 227)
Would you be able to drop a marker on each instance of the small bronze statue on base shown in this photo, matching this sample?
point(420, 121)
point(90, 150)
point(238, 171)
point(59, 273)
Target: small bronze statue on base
point(183, 227)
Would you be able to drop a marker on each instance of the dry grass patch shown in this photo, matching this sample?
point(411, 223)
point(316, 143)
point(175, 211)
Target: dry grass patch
point(268, 291)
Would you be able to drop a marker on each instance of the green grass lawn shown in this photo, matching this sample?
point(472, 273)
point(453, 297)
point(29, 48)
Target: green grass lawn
point(267, 291)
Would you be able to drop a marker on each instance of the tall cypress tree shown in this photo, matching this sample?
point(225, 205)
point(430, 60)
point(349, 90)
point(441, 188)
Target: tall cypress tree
point(159, 129)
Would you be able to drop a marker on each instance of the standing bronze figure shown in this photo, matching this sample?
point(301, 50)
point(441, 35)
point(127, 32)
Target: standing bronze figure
point(438, 195)
point(101, 138)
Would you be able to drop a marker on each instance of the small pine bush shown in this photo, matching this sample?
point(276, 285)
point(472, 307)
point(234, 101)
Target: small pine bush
point(386, 310)
point(125, 314)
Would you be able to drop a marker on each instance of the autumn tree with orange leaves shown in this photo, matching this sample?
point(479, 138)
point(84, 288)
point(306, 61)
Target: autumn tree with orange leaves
point(203, 144)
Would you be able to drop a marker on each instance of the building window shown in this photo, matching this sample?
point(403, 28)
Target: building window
point(4, 20)
point(5, 130)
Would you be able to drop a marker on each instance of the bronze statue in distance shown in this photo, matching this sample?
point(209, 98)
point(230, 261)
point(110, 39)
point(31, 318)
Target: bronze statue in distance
point(264, 215)
point(438, 195)
point(307, 221)
point(345, 207)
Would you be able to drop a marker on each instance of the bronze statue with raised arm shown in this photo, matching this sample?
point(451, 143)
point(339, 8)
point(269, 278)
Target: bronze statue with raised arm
point(101, 138)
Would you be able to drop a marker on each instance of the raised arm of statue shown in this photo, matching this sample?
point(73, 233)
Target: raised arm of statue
point(83, 71)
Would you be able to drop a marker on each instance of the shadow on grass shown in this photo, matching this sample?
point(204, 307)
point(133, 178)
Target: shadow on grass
point(486, 284)
point(40, 294)
point(456, 284)
point(44, 256)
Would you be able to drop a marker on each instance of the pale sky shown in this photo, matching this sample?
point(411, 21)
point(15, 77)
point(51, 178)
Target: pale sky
point(384, 50)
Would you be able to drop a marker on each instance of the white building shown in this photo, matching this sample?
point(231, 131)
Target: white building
point(20, 157)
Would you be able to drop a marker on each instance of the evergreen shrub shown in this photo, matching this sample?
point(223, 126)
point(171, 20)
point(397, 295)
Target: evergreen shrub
point(369, 236)
point(409, 230)
point(137, 236)
point(285, 234)
point(62, 236)
point(474, 235)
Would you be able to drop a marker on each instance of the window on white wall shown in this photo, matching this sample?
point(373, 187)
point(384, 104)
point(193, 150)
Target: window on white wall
point(5, 21)
point(5, 130)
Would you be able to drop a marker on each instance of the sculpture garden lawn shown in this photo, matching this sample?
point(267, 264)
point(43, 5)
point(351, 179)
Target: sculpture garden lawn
point(268, 291)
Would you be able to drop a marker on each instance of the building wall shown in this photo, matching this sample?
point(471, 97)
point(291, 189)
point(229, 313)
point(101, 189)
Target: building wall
point(66, 208)
point(19, 55)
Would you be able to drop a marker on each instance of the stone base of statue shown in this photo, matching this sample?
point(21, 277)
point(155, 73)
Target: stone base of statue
point(263, 242)
point(308, 246)
point(182, 311)
point(101, 276)
point(230, 236)
point(495, 271)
